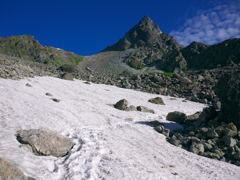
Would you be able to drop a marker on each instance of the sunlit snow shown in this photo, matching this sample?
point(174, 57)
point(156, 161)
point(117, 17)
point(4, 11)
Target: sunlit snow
point(110, 143)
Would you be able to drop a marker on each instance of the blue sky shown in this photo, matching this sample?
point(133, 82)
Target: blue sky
point(87, 27)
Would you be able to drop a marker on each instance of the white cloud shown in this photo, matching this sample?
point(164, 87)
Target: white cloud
point(210, 26)
point(222, 34)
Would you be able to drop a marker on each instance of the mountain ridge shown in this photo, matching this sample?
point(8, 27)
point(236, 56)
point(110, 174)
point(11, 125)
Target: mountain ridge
point(151, 50)
point(143, 34)
point(145, 45)
point(143, 49)
point(26, 47)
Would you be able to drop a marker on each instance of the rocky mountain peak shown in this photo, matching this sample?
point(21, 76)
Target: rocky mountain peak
point(146, 24)
point(143, 34)
point(146, 45)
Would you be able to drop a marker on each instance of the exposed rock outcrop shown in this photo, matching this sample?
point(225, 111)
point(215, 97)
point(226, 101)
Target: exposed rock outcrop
point(228, 90)
point(202, 56)
point(205, 134)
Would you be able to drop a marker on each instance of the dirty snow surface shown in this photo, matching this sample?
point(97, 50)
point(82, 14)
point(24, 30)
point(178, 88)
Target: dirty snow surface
point(110, 143)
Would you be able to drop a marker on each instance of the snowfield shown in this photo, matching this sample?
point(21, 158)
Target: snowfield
point(110, 144)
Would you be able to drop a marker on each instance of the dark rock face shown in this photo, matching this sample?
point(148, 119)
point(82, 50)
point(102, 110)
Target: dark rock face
point(228, 90)
point(9, 171)
point(202, 56)
point(45, 142)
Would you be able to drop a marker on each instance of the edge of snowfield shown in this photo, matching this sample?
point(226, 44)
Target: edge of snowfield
point(107, 145)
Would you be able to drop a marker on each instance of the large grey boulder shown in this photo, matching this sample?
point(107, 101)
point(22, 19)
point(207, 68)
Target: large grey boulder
point(121, 105)
point(10, 172)
point(45, 142)
point(176, 116)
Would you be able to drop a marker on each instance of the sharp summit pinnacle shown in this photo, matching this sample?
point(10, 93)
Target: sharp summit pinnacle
point(143, 34)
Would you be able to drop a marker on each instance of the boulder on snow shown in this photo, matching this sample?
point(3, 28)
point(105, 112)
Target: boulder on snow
point(162, 130)
point(166, 132)
point(121, 105)
point(176, 116)
point(144, 109)
point(45, 142)
point(131, 108)
point(159, 128)
point(156, 100)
